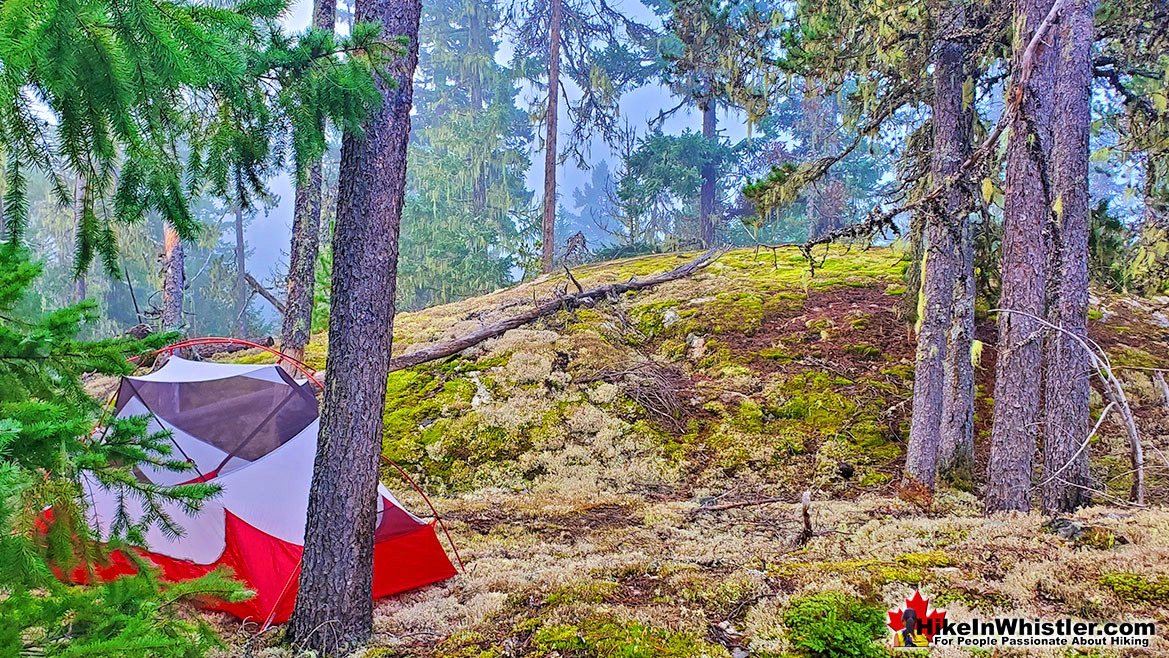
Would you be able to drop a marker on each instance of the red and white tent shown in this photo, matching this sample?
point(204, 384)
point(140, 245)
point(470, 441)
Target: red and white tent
point(252, 430)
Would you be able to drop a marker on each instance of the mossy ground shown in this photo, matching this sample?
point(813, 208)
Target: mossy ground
point(571, 460)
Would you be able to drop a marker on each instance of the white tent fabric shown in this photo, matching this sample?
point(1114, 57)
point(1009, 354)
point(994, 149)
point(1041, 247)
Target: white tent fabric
point(271, 493)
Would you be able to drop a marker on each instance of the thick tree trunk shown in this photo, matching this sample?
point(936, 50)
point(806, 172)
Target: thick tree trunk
point(1026, 222)
point(956, 451)
point(334, 609)
point(241, 285)
point(709, 174)
point(548, 245)
point(944, 226)
point(1068, 367)
point(296, 328)
point(173, 279)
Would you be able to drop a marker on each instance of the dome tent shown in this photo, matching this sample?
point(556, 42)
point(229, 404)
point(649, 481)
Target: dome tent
point(252, 430)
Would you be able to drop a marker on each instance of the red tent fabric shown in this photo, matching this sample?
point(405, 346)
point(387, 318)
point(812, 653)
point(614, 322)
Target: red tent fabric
point(252, 430)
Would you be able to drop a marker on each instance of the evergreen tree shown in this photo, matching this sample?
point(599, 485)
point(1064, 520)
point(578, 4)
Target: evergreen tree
point(47, 445)
point(716, 53)
point(604, 53)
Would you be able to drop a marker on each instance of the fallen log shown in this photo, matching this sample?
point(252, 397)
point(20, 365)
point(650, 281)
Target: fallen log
point(264, 292)
point(562, 301)
point(205, 351)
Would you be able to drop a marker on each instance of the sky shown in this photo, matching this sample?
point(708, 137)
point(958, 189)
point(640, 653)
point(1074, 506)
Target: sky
point(269, 233)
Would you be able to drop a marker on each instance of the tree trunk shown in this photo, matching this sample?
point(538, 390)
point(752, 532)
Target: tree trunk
point(1068, 367)
point(953, 144)
point(296, 327)
point(480, 47)
point(956, 456)
point(173, 279)
point(1026, 221)
point(548, 246)
point(706, 197)
point(241, 286)
point(334, 609)
point(944, 225)
point(80, 190)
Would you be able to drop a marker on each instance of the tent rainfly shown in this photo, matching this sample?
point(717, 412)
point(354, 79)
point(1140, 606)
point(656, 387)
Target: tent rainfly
point(252, 430)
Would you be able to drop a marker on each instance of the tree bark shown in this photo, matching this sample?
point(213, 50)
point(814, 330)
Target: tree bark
point(953, 146)
point(1068, 368)
point(548, 245)
point(709, 174)
point(956, 452)
point(944, 226)
point(241, 287)
point(173, 279)
point(334, 609)
point(296, 328)
point(1026, 221)
point(80, 190)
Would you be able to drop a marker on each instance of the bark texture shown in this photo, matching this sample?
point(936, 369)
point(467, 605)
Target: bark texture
point(944, 227)
point(956, 452)
point(1068, 366)
point(709, 178)
point(173, 279)
point(1026, 221)
point(80, 190)
point(953, 138)
point(334, 608)
point(548, 225)
point(296, 328)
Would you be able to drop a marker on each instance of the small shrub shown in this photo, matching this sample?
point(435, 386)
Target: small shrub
point(834, 625)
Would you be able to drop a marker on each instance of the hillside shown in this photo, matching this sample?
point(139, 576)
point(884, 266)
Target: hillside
point(575, 462)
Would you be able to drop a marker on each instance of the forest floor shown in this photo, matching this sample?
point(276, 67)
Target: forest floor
point(575, 462)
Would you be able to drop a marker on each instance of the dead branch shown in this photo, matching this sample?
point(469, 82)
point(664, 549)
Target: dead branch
point(1113, 393)
point(1083, 446)
point(806, 514)
point(550, 307)
point(264, 292)
point(1162, 387)
point(738, 504)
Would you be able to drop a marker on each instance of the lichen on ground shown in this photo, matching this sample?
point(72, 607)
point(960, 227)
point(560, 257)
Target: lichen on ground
point(572, 460)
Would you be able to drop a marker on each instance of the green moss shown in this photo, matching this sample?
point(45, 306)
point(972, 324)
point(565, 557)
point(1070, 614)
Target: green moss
point(605, 635)
point(864, 351)
point(1127, 355)
point(594, 591)
point(737, 312)
point(1135, 588)
point(777, 352)
point(874, 478)
point(902, 371)
point(1095, 314)
point(673, 349)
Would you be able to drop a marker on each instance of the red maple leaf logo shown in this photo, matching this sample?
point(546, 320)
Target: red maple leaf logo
point(929, 621)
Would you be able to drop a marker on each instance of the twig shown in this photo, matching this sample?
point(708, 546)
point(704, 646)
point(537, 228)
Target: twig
point(1084, 445)
point(1113, 392)
point(738, 504)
